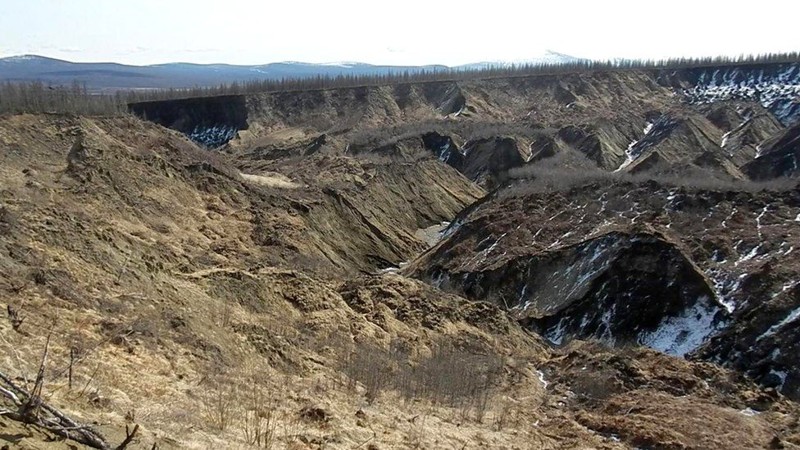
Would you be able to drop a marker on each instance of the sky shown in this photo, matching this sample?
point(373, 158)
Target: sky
point(397, 32)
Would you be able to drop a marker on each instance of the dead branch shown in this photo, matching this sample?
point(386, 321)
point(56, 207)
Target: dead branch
point(14, 317)
point(71, 364)
point(10, 395)
point(88, 382)
point(123, 268)
point(129, 435)
point(33, 410)
point(31, 407)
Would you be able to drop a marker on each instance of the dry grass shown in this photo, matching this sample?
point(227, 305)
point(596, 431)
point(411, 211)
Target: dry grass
point(272, 180)
point(448, 377)
point(201, 363)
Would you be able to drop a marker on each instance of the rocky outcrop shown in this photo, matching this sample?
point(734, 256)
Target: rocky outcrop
point(488, 158)
point(613, 288)
point(778, 156)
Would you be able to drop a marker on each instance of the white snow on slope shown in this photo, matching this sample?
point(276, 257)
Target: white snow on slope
point(20, 58)
point(794, 315)
point(548, 58)
point(782, 375)
point(681, 334)
point(777, 91)
point(758, 220)
point(213, 136)
point(544, 382)
point(653, 132)
point(752, 254)
point(557, 334)
point(725, 139)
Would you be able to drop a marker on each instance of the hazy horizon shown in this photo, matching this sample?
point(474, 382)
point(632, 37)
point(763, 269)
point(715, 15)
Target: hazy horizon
point(418, 33)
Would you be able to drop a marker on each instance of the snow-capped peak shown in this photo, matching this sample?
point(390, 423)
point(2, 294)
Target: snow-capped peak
point(20, 58)
point(548, 58)
point(344, 64)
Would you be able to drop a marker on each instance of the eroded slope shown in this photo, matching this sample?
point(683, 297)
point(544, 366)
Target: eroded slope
point(668, 267)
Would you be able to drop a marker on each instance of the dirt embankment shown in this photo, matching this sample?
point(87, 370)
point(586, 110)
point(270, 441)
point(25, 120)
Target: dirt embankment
point(212, 294)
point(545, 255)
point(188, 294)
point(629, 121)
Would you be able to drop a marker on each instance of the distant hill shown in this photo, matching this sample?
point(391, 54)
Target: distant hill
point(549, 58)
point(113, 76)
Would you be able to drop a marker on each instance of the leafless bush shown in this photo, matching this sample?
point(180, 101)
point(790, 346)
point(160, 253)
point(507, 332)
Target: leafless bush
point(568, 170)
point(259, 422)
point(14, 317)
point(452, 377)
point(507, 414)
point(30, 407)
point(371, 366)
point(594, 387)
point(219, 404)
point(7, 220)
point(449, 376)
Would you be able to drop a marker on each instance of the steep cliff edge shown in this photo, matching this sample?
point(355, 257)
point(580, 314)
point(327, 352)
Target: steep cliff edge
point(209, 121)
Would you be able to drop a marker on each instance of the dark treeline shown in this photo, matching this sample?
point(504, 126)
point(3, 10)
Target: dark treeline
point(37, 97)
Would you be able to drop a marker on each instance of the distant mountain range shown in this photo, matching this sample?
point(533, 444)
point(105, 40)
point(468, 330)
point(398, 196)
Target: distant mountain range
point(113, 76)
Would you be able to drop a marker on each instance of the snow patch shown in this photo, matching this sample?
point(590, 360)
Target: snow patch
point(725, 139)
point(749, 412)
point(544, 382)
point(440, 279)
point(20, 58)
point(480, 258)
point(759, 151)
point(753, 253)
point(213, 136)
point(724, 223)
point(681, 334)
point(782, 375)
point(452, 228)
point(794, 315)
point(758, 221)
point(776, 90)
point(556, 334)
point(724, 288)
point(444, 152)
point(653, 133)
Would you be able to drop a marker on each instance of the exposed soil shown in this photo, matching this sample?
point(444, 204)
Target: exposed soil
point(388, 267)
